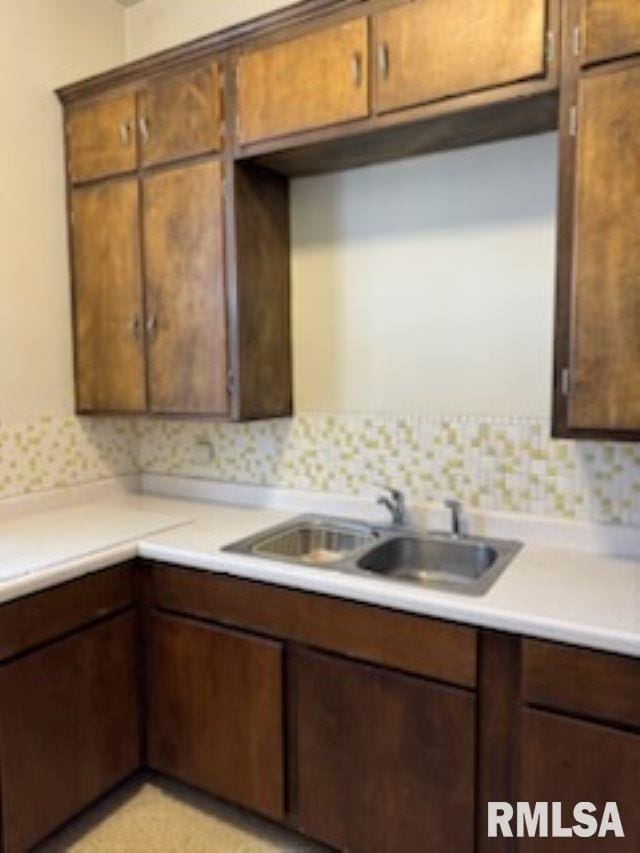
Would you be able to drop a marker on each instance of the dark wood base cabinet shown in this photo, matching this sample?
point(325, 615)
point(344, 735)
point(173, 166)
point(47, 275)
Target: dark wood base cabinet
point(69, 710)
point(215, 716)
point(384, 762)
point(369, 730)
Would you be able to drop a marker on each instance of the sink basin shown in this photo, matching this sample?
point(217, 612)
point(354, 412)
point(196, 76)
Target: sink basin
point(434, 560)
point(314, 540)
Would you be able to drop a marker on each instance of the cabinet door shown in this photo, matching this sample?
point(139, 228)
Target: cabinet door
point(101, 138)
point(181, 115)
point(313, 81)
point(214, 705)
point(569, 761)
point(69, 728)
point(611, 29)
point(383, 762)
point(604, 388)
point(185, 290)
point(108, 307)
point(432, 49)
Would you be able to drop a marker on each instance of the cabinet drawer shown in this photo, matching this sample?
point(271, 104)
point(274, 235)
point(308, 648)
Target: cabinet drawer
point(43, 616)
point(181, 115)
point(427, 647)
point(433, 49)
point(101, 138)
point(582, 682)
point(310, 82)
point(611, 29)
point(214, 704)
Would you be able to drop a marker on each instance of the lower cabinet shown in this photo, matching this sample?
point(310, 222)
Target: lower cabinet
point(215, 711)
point(570, 761)
point(69, 728)
point(382, 762)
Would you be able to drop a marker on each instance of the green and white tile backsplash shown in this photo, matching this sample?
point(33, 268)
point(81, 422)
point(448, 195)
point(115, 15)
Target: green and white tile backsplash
point(54, 452)
point(490, 463)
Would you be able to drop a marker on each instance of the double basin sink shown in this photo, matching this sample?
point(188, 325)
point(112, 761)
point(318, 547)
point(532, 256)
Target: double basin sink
point(434, 560)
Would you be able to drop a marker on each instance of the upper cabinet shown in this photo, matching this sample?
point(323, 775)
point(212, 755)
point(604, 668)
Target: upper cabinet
point(603, 372)
point(108, 298)
point(101, 138)
point(433, 49)
point(180, 115)
point(186, 307)
point(611, 29)
point(310, 82)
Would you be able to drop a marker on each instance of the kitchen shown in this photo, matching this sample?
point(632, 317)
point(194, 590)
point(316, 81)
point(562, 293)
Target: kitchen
point(319, 473)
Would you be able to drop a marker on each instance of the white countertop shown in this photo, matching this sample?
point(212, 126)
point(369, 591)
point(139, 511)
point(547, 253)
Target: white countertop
point(548, 591)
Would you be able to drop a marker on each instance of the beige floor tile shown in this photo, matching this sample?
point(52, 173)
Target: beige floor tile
point(149, 815)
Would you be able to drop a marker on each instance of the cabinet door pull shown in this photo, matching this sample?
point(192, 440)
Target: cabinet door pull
point(145, 132)
point(135, 328)
point(151, 326)
point(383, 60)
point(356, 68)
point(124, 129)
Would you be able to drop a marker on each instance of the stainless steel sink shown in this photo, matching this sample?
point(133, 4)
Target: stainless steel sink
point(433, 560)
point(310, 539)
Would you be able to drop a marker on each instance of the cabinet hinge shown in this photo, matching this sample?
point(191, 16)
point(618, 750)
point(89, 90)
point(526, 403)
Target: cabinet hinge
point(573, 120)
point(565, 381)
point(550, 51)
point(577, 41)
point(231, 382)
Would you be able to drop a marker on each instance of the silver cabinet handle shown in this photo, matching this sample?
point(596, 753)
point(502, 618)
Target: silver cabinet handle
point(124, 130)
point(383, 60)
point(151, 326)
point(143, 123)
point(356, 68)
point(135, 328)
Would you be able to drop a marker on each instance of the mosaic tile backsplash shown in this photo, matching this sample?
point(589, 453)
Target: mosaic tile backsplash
point(490, 463)
point(58, 452)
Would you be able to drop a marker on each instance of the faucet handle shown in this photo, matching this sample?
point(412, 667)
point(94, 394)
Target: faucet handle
point(456, 508)
point(396, 494)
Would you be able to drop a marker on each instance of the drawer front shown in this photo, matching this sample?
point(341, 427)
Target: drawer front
point(433, 49)
point(582, 682)
point(181, 115)
point(102, 138)
point(44, 616)
point(427, 647)
point(611, 29)
point(311, 82)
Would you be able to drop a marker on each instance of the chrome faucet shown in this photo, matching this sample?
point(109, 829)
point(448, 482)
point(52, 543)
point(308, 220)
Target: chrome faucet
point(395, 503)
point(456, 517)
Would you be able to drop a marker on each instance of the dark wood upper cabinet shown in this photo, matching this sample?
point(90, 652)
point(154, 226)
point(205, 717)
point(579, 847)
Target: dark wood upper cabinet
point(611, 29)
point(600, 228)
point(310, 82)
point(215, 718)
point(570, 761)
point(186, 309)
point(180, 115)
point(382, 762)
point(101, 138)
point(433, 49)
point(69, 727)
point(108, 303)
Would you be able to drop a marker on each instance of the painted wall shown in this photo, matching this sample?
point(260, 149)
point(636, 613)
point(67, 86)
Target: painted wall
point(419, 286)
point(43, 44)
